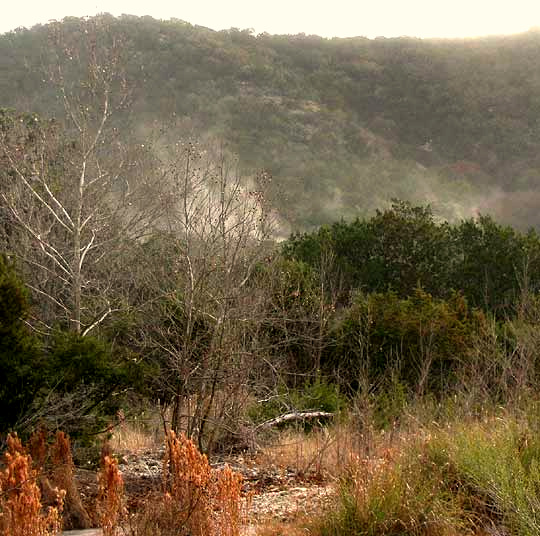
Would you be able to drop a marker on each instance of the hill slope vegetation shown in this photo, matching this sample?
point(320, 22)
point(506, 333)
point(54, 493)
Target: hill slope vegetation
point(343, 125)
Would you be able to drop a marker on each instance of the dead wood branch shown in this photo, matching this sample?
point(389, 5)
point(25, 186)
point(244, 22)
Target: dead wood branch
point(294, 416)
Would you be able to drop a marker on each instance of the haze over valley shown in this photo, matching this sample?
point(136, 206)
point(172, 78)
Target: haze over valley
point(342, 125)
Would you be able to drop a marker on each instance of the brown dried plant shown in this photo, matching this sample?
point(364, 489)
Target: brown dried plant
point(227, 499)
point(207, 501)
point(38, 448)
point(111, 496)
point(187, 478)
point(196, 500)
point(21, 512)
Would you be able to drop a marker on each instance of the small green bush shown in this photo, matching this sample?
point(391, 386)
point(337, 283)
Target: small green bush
point(419, 338)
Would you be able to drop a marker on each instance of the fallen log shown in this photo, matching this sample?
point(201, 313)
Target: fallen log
point(294, 416)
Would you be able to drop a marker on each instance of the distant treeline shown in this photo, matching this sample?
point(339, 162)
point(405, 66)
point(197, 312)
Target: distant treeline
point(405, 248)
point(343, 125)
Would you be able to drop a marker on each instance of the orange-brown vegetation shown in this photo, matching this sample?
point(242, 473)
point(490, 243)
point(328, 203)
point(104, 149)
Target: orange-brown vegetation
point(75, 515)
point(110, 498)
point(195, 499)
point(21, 511)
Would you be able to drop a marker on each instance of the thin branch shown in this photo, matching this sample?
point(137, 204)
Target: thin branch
point(41, 200)
point(47, 295)
point(99, 320)
point(86, 249)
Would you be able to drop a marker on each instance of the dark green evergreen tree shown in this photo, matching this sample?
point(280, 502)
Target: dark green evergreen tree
point(19, 352)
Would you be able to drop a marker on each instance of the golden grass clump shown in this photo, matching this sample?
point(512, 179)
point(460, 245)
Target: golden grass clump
point(111, 496)
point(397, 487)
point(135, 435)
point(21, 512)
point(322, 454)
point(467, 477)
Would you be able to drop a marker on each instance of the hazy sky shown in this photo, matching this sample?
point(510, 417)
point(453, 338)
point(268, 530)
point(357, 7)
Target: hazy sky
point(371, 18)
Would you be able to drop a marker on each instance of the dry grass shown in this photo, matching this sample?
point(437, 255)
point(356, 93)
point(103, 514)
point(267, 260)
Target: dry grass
point(299, 527)
point(322, 453)
point(466, 477)
point(394, 490)
point(37, 448)
point(210, 499)
point(137, 435)
point(228, 488)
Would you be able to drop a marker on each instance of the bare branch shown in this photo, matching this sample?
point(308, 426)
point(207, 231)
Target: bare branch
point(36, 194)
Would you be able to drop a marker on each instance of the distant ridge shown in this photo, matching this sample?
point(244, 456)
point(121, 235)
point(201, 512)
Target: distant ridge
point(342, 124)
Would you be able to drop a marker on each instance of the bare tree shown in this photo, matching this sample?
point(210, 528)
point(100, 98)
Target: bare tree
point(76, 195)
point(222, 226)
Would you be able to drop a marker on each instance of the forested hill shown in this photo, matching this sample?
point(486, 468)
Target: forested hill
point(343, 125)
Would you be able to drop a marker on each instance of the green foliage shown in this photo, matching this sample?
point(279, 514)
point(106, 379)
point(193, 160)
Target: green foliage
point(390, 400)
point(290, 323)
point(318, 395)
point(420, 339)
point(492, 263)
point(74, 360)
point(342, 124)
point(499, 463)
point(404, 247)
point(86, 371)
point(20, 357)
point(399, 248)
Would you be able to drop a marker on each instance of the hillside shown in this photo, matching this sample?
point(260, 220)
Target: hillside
point(342, 125)
point(386, 364)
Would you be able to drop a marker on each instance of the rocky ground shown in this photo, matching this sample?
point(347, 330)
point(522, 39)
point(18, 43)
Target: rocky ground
point(273, 495)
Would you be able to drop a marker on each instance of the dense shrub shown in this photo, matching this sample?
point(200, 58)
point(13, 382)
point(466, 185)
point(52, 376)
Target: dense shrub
point(87, 381)
point(405, 246)
point(419, 339)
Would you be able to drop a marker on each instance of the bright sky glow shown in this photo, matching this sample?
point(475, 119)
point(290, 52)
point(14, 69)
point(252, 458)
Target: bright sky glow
point(342, 18)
